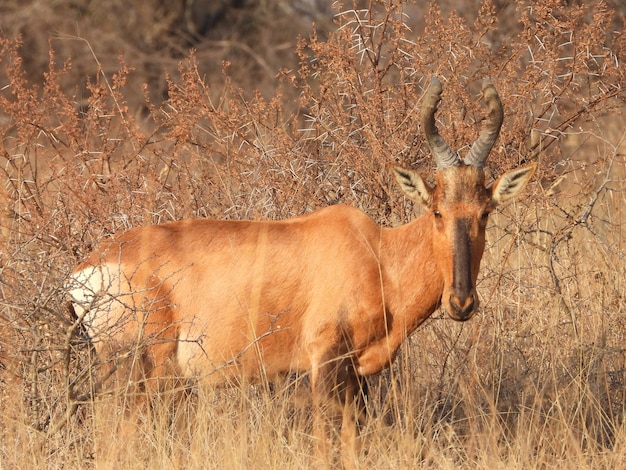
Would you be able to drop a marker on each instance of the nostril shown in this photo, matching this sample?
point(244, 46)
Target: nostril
point(462, 308)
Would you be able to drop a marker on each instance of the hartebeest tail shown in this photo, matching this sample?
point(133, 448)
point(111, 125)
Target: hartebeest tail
point(331, 292)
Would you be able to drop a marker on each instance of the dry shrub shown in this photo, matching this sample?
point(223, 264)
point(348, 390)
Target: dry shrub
point(154, 35)
point(537, 379)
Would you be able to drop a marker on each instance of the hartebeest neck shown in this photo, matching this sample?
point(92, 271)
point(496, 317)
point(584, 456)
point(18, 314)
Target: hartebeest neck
point(412, 279)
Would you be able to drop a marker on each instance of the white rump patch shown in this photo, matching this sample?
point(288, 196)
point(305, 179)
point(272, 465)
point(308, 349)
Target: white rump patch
point(96, 294)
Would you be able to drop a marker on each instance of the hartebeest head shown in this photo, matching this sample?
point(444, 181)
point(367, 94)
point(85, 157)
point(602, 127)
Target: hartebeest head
point(460, 203)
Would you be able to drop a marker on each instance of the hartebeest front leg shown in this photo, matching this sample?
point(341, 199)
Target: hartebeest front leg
point(322, 404)
point(338, 401)
point(354, 415)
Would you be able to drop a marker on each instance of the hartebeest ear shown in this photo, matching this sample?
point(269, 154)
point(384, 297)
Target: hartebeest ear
point(510, 183)
point(413, 185)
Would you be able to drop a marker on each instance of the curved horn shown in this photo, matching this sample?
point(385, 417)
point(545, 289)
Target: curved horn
point(477, 156)
point(440, 150)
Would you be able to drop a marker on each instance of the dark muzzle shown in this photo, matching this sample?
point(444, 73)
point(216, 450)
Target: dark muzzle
point(462, 307)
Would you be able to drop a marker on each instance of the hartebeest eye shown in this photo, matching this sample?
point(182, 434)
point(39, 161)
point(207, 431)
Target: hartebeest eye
point(437, 214)
point(485, 215)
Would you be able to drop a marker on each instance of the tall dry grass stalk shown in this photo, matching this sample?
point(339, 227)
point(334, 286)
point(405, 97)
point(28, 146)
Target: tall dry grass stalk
point(535, 380)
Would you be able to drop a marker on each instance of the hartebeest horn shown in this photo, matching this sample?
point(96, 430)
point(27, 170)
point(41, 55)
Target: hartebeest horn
point(440, 150)
point(477, 156)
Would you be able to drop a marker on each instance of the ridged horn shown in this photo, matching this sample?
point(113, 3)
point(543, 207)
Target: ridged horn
point(477, 156)
point(444, 156)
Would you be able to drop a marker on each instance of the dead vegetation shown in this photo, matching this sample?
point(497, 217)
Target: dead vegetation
point(536, 379)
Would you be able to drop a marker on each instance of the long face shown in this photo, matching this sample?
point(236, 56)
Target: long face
point(459, 211)
point(459, 205)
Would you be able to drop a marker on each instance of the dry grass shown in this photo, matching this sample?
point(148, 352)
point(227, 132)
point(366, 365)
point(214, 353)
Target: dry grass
point(536, 380)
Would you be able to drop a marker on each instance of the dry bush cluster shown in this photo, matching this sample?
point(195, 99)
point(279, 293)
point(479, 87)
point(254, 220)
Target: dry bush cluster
point(154, 35)
point(537, 379)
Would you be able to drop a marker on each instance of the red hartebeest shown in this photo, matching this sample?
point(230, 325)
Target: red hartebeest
point(330, 292)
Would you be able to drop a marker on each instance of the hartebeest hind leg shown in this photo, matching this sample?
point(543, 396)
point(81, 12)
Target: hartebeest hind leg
point(137, 380)
point(339, 403)
point(119, 402)
point(138, 395)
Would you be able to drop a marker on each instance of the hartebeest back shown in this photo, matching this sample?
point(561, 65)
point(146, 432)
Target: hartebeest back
point(330, 292)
